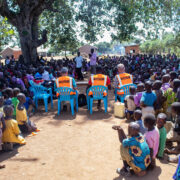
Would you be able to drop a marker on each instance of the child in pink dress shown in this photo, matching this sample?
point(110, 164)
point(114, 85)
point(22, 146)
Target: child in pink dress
point(152, 136)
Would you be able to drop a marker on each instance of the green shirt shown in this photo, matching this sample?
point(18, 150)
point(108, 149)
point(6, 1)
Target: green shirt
point(15, 102)
point(162, 141)
point(171, 97)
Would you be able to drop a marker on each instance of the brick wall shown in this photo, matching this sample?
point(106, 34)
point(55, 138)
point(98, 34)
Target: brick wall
point(17, 54)
point(135, 49)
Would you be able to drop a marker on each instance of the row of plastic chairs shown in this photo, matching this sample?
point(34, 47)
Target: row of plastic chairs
point(40, 92)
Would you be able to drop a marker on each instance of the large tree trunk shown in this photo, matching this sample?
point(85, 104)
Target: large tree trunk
point(26, 22)
point(28, 34)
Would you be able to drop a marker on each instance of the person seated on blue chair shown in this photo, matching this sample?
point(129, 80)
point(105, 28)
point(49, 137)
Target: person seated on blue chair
point(99, 80)
point(122, 78)
point(65, 81)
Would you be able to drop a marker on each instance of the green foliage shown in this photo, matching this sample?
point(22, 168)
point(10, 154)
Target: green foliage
point(103, 47)
point(170, 43)
point(61, 32)
point(7, 32)
point(66, 18)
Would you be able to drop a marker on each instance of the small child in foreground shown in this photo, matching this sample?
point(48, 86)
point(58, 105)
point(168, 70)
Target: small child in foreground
point(134, 151)
point(152, 137)
point(161, 121)
point(11, 133)
point(21, 116)
point(138, 119)
point(129, 103)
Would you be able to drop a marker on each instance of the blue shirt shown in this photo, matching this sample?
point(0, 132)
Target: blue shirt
point(139, 151)
point(148, 98)
point(142, 128)
point(74, 83)
point(27, 103)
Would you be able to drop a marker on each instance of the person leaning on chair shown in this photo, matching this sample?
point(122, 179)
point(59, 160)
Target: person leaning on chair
point(122, 78)
point(65, 81)
point(99, 80)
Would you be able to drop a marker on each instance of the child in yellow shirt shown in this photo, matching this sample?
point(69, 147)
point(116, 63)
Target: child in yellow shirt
point(24, 123)
point(11, 133)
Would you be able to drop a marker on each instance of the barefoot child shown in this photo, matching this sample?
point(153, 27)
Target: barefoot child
point(12, 133)
point(152, 136)
point(161, 121)
point(138, 119)
point(134, 151)
point(21, 116)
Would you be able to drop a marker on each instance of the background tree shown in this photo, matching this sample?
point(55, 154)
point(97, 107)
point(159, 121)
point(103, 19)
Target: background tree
point(24, 15)
point(7, 33)
point(170, 43)
point(88, 17)
point(103, 47)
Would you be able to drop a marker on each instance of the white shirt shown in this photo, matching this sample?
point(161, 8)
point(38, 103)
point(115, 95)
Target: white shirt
point(7, 61)
point(45, 76)
point(130, 104)
point(79, 61)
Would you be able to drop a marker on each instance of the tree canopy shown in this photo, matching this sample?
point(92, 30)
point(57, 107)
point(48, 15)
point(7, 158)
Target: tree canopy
point(60, 22)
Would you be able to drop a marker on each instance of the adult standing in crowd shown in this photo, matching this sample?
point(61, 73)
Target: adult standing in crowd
point(79, 60)
point(93, 58)
point(122, 78)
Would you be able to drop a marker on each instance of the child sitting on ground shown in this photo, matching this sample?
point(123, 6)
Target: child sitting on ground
point(24, 123)
point(15, 101)
point(138, 119)
point(173, 134)
point(152, 137)
point(129, 103)
point(148, 100)
point(12, 133)
point(161, 121)
point(137, 97)
point(134, 151)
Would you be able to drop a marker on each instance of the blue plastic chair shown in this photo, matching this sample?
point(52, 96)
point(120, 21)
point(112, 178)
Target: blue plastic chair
point(125, 89)
point(64, 95)
point(97, 95)
point(40, 92)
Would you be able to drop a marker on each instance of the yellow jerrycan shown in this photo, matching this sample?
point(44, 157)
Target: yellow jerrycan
point(119, 109)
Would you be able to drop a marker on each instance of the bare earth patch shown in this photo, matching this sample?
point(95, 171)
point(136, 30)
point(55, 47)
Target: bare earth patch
point(83, 147)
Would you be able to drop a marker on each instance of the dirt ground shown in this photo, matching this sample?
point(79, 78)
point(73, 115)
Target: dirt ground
point(83, 147)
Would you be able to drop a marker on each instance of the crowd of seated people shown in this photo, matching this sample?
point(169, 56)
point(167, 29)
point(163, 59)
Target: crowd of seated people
point(154, 105)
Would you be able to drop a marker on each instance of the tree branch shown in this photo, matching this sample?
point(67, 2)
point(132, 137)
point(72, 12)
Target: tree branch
point(43, 39)
point(6, 12)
